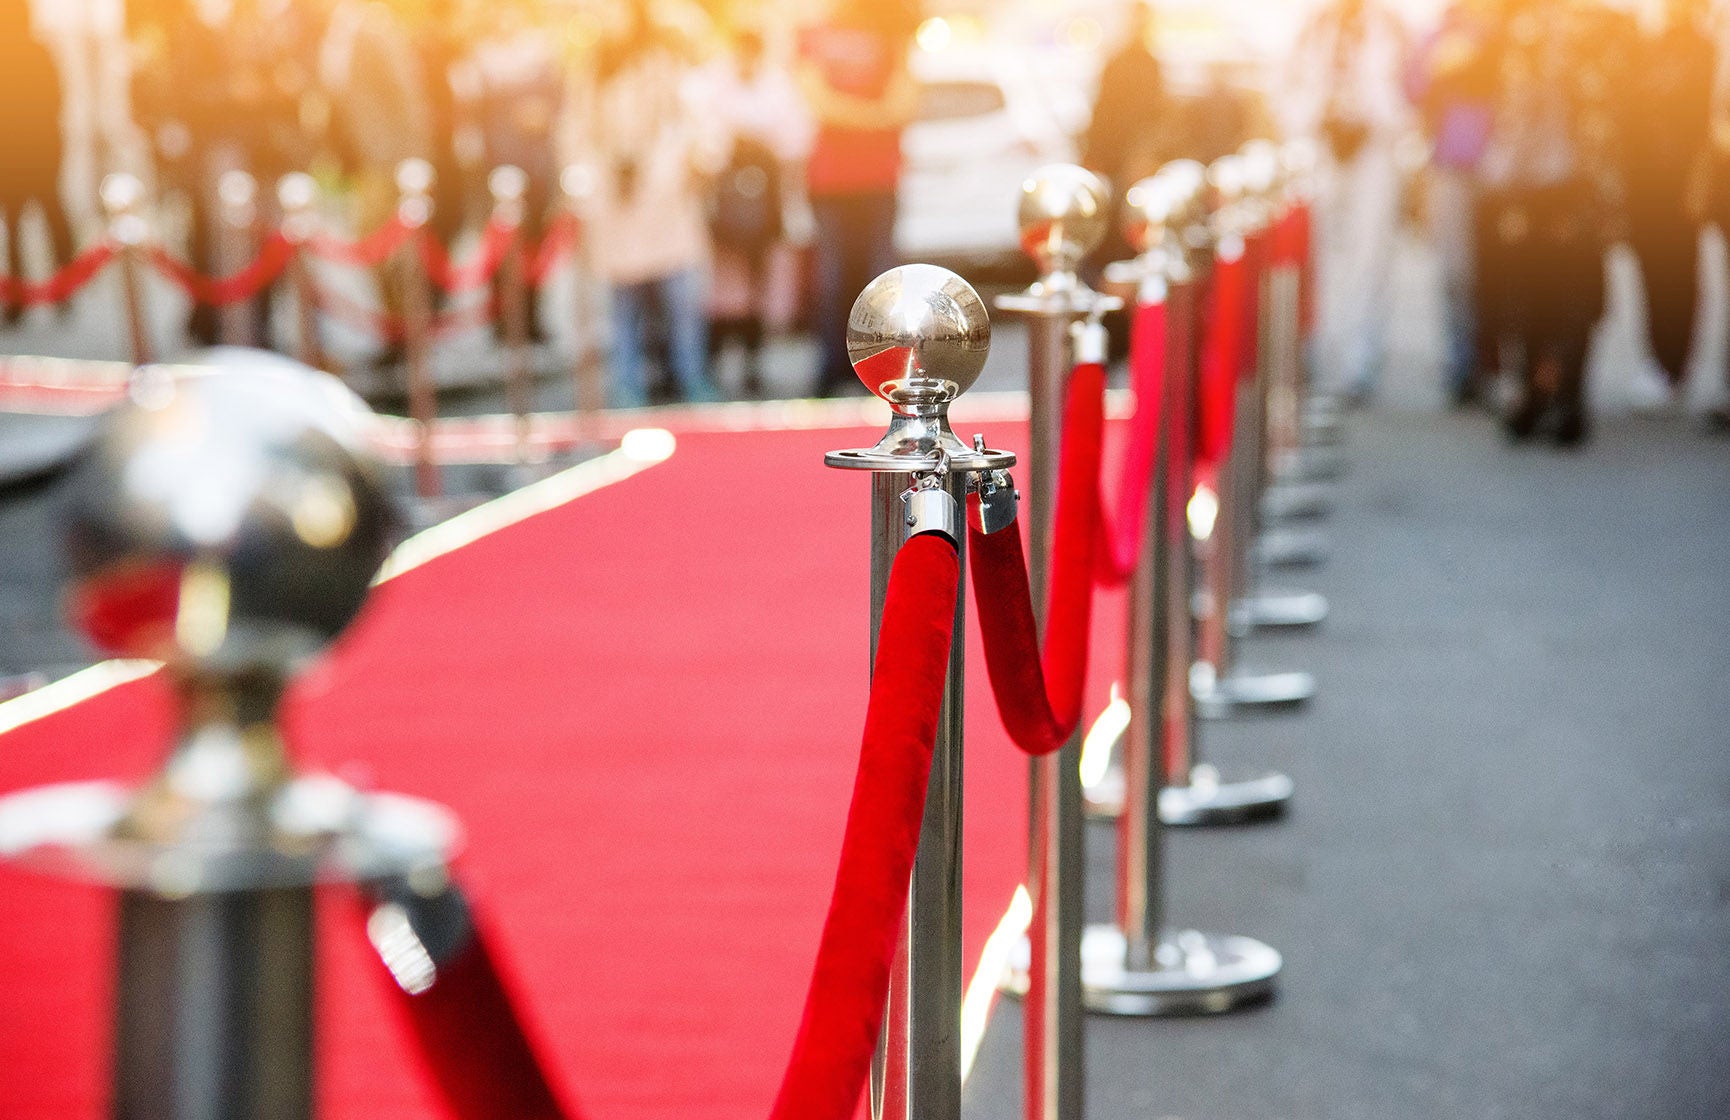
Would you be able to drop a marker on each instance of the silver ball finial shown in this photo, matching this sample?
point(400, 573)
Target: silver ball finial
point(918, 332)
point(227, 520)
point(1064, 213)
point(1148, 207)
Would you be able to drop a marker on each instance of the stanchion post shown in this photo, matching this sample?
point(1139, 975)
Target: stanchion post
point(918, 336)
point(508, 186)
point(215, 857)
point(128, 231)
point(1220, 685)
point(414, 182)
point(1141, 965)
point(237, 205)
point(1063, 214)
point(577, 184)
point(297, 196)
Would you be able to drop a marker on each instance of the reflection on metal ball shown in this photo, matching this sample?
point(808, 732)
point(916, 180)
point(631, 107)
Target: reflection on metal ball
point(1063, 214)
point(918, 330)
point(228, 518)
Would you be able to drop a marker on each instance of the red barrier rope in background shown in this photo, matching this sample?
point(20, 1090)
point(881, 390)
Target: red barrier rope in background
point(63, 285)
point(845, 1003)
point(455, 279)
point(370, 251)
point(1039, 696)
point(560, 239)
point(1121, 538)
point(243, 284)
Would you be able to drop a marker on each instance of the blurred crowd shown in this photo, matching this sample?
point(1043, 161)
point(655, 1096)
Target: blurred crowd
point(1534, 132)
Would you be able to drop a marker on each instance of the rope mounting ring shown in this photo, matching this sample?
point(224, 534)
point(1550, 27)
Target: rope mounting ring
point(930, 509)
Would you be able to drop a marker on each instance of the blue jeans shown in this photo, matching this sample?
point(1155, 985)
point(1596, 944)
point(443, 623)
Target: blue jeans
point(682, 299)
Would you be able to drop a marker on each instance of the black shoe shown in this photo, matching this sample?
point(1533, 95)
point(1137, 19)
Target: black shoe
point(1522, 423)
point(1571, 430)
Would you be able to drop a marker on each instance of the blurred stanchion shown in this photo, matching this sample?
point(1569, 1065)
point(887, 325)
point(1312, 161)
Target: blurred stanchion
point(129, 233)
point(238, 322)
point(414, 183)
point(589, 391)
point(1063, 213)
point(1141, 964)
point(918, 336)
point(1224, 510)
point(297, 196)
point(508, 185)
point(1273, 405)
point(247, 557)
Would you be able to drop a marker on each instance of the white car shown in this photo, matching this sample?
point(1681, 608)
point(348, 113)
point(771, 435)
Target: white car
point(985, 121)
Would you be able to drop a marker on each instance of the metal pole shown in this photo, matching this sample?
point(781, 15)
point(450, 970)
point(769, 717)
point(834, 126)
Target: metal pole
point(128, 230)
point(297, 194)
point(237, 202)
point(1221, 685)
point(917, 1073)
point(1063, 214)
point(1140, 965)
point(938, 326)
point(414, 209)
point(577, 183)
point(508, 186)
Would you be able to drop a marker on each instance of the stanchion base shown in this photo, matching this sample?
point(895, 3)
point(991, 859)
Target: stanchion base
point(1290, 548)
point(1241, 691)
point(1290, 501)
point(1309, 464)
point(1208, 801)
point(1278, 610)
point(1103, 800)
point(1194, 973)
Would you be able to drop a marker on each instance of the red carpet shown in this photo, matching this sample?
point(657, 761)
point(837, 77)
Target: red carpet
point(646, 708)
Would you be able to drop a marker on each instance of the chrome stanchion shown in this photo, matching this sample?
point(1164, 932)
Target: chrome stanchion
point(1193, 792)
point(508, 186)
point(1063, 214)
point(128, 230)
point(589, 391)
point(251, 550)
point(918, 336)
point(414, 184)
point(1227, 520)
point(297, 195)
point(237, 204)
point(1272, 410)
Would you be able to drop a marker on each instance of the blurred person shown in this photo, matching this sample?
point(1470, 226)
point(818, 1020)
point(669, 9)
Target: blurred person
point(1547, 205)
point(759, 106)
point(30, 106)
point(1664, 147)
point(854, 74)
point(1718, 414)
point(1344, 88)
point(654, 145)
point(519, 96)
point(1454, 85)
point(375, 86)
point(1130, 134)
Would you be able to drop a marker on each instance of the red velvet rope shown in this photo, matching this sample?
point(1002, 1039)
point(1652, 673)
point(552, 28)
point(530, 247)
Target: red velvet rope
point(560, 239)
point(1223, 358)
point(846, 1001)
point(63, 285)
point(475, 1043)
point(455, 279)
point(1039, 694)
point(1121, 539)
point(220, 291)
point(370, 251)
